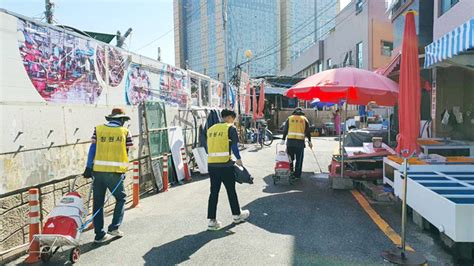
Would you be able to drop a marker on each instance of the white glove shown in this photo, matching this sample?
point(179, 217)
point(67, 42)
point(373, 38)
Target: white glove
point(239, 162)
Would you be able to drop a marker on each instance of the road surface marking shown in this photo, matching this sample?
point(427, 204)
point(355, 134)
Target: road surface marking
point(384, 226)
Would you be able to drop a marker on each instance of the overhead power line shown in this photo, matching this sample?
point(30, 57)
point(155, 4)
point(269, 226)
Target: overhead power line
point(329, 21)
point(170, 30)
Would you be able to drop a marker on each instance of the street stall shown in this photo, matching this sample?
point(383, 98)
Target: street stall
point(365, 162)
point(353, 86)
point(446, 147)
point(451, 191)
point(392, 164)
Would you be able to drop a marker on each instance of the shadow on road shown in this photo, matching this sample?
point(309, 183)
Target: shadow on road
point(283, 184)
point(181, 249)
point(328, 226)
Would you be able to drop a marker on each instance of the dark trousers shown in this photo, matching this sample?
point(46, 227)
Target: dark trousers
point(224, 175)
point(298, 153)
point(102, 182)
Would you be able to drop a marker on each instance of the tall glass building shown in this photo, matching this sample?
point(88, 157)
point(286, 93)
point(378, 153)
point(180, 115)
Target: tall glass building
point(302, 23)
point(211, 36)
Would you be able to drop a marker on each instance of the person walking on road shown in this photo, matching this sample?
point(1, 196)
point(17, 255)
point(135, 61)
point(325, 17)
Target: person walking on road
point(222, 139)
point(107, 162)
point(296, 129)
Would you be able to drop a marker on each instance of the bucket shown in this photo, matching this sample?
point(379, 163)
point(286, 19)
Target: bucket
point(377, 142)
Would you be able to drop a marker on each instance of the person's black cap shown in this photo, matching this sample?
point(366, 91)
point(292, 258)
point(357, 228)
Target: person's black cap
point(298, 111)
point(227, 112)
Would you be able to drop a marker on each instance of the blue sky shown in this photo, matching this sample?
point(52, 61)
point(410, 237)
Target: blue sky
point(149, 19)
point(344, 3)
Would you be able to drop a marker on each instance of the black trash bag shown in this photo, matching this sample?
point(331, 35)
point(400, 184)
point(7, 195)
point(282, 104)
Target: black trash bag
point(242, 175)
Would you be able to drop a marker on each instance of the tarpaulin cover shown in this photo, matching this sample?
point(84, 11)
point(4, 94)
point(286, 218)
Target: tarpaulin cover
point(410, 94)
point(356, 138)
point(316, 103)
point(356, 85)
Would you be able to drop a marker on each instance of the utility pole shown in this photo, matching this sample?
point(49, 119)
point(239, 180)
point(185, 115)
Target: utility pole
point(121, 39)
point(224, 27)
point(159, 54)
point(49, 12)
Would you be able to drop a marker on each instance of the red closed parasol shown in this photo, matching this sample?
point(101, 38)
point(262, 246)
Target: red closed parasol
point(247, 99)
point(254, 103)
point(409, 99)
point(409, 125)
point(261, 100)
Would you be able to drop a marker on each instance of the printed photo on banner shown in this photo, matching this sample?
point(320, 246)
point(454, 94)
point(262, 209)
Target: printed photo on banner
point(216, 94)
point(173, 86)
point(61, 66)
point(195, 91)
point(205, 92)
point(166, 83)
point(137, 86)
point(117, 64)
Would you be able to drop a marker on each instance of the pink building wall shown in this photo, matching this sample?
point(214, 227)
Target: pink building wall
point(458, 14)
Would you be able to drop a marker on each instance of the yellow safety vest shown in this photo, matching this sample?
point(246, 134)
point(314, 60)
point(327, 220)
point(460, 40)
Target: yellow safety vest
point(296, 127)
point(111, 151)
point(218, 143)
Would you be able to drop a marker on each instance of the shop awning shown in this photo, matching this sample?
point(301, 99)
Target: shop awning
point(459, 40)
point(386, 70)
point(275, 90)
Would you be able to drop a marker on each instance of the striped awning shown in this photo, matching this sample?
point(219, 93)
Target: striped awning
point(453, 43)
point(394, 62)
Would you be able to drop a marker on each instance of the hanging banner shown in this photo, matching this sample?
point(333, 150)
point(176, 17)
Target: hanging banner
point(205, 84)
point(216, 94)
point(116, 61)
point(168, 84)
point(61, 66)
point(195, 99)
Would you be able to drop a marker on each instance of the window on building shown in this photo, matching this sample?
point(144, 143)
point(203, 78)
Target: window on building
point(359, 5)
point(398, 7)
point(319, 66)
point(359, 58)
point(329, 63)
point(445, 5)
point(386, 48)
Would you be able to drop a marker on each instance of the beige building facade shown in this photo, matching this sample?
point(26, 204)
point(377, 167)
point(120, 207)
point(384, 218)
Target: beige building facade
point(362, 37)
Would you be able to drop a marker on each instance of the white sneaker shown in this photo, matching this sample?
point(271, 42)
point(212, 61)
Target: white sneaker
point(214, 225)
point(244, 214)
point(115, 233)
point(105, 238)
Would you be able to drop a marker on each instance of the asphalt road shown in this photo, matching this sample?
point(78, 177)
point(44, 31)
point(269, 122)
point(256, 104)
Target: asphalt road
point(301, 224)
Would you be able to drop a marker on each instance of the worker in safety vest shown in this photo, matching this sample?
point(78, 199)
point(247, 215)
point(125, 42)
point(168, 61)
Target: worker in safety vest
point(222, 140)
point(296, 129)
point(107, 162)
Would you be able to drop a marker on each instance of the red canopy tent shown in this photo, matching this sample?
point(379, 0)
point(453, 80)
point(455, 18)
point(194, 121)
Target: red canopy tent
point(351, 85)
point(357, 86)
